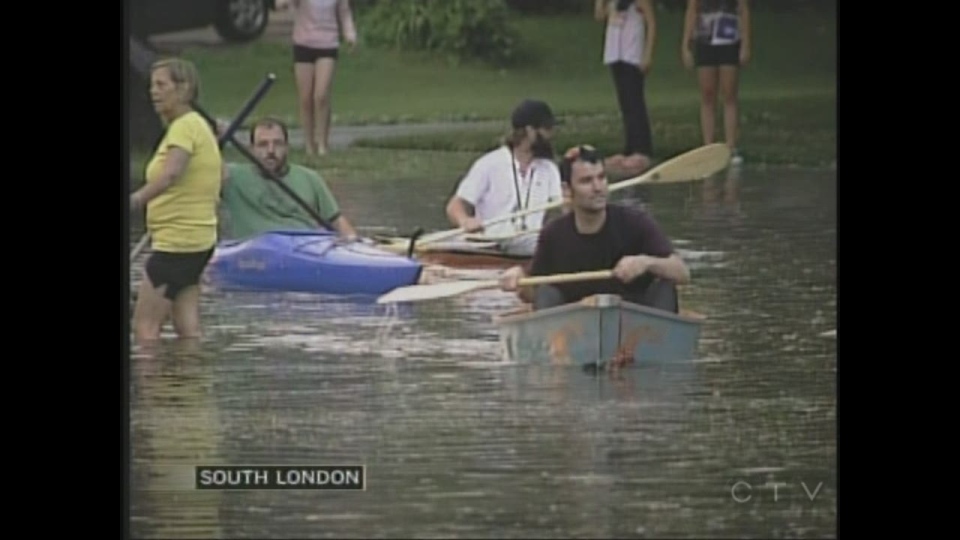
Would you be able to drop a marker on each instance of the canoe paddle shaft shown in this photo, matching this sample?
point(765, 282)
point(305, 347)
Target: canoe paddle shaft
point(416, 293)
point(247, 109)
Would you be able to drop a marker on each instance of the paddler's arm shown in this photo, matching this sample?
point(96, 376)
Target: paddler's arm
point(460, 208)
point(508, 283)
point(344, 228)
point(538, 265)
point(671, 268)
point(458, 215)
point(325, 204)
point(174, 164)
point(456, 210)
point(660, 258)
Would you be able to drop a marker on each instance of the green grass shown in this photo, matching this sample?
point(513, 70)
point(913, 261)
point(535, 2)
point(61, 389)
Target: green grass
point(801, 131)
point(340, 167)
point(794, 56)
point(788, 94)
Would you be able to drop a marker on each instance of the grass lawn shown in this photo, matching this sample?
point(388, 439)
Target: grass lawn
point(340, 167)
point(788, 91)
point(800, 131)
point(794, 56)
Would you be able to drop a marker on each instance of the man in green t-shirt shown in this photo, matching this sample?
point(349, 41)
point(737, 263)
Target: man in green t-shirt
point(255, 204)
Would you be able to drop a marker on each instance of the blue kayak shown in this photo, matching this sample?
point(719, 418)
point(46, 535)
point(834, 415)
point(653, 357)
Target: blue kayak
point(309, 261)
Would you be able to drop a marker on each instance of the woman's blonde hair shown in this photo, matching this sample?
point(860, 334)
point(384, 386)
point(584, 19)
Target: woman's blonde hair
point(182, 72)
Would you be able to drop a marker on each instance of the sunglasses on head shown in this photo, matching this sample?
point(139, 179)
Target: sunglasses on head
point(583, 152)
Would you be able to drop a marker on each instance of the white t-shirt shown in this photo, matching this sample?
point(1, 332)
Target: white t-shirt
point(491, 188)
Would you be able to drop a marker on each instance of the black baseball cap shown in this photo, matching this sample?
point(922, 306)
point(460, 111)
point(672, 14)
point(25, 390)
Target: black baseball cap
point(533, 113)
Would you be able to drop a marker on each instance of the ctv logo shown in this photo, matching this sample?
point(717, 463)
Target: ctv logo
point(743, 491)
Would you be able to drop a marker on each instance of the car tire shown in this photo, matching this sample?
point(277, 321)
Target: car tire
point(241, 21)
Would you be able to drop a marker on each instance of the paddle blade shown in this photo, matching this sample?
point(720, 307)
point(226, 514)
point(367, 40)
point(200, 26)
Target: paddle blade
point(693, 165)
point(418, 293)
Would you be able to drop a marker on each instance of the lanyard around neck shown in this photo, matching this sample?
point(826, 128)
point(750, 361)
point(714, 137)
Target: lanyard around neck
point(516, 187)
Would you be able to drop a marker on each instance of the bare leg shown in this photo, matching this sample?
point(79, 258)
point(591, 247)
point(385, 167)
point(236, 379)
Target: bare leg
point(323, 77)
point(304, 75)
point(729, 87)
point(707, 78)
point(186, 313)
point(150, 312)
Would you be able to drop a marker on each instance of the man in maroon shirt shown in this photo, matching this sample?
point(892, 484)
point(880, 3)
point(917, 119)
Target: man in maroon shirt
point(597, 235)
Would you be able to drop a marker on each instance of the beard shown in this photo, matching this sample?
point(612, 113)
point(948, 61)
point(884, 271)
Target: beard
point(542, 148)
point(278, 166)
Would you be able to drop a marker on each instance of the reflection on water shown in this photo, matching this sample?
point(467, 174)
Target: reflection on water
point(739, 442)
point(719, 199)
point(176, 427)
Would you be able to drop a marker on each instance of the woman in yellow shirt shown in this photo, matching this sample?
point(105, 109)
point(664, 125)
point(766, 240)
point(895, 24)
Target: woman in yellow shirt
point(180, 194)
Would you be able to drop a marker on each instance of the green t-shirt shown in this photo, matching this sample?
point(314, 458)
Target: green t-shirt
point(255, 204)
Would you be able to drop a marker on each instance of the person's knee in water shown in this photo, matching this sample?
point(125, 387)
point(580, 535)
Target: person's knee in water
point(548, 296)
point(659, 294)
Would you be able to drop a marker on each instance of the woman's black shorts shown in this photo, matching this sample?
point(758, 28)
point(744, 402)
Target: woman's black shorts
point(176, 270)
point(717, 55)
point(308, 55)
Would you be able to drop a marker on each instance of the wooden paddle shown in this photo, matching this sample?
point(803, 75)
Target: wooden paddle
point(690, 166)
point(416, 293)
point(481, 238)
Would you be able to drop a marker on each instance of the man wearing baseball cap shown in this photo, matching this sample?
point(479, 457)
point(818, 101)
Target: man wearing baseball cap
point(517, 175)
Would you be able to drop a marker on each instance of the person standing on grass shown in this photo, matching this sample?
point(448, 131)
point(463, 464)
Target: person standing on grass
point(181, 191)
point(629, 39)
point(317, 29)
point(716, 39)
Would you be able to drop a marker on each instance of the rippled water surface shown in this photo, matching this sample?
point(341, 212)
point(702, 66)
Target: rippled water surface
point(740, 442)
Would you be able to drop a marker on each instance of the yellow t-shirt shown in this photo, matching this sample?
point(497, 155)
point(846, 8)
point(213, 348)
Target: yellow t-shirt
point(184, 217)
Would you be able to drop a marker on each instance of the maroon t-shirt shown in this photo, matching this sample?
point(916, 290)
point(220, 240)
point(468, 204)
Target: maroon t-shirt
point(626, 231)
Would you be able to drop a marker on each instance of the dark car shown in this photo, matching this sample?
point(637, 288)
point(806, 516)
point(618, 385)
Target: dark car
point(234, 20)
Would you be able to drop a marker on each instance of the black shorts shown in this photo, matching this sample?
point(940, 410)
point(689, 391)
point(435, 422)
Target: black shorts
point(176, 270)
point(717, 55)
point(308, 55)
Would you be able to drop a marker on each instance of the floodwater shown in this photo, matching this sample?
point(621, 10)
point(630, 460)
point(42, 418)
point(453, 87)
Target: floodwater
point(740, 442)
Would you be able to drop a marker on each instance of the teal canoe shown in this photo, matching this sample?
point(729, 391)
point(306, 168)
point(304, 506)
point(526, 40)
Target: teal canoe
point(597, 329)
